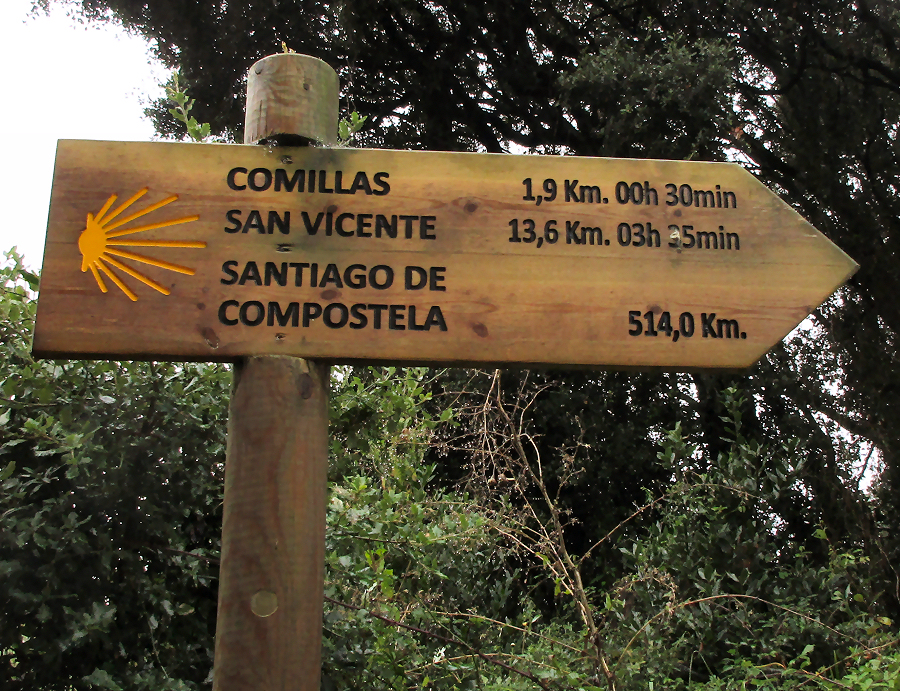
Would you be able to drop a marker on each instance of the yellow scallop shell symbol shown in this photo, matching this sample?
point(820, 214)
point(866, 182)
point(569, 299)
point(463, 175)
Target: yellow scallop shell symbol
point(100, 236)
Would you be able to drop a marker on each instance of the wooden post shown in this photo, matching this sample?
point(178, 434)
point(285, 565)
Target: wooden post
point(269, 625)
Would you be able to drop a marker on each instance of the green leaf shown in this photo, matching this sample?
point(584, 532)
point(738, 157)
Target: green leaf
point(101, 679)
point(7, 471)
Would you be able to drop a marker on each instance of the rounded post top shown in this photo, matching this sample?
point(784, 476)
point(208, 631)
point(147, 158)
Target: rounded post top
point(292, 99)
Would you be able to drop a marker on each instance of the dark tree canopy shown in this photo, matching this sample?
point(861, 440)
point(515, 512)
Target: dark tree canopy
point(806, 95)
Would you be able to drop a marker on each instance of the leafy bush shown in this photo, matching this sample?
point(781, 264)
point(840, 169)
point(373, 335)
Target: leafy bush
point(110, 513)
point(721, 592)
point(110, 520)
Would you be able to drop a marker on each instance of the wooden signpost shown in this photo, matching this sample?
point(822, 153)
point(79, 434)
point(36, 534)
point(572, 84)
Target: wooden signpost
point(274, 253)
point(421, 257)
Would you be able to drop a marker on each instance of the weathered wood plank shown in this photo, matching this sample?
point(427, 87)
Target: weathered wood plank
point(658, 237)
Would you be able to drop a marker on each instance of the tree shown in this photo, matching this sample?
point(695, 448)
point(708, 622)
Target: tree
point(805, 95)
point(110, 513)
point(110, 521)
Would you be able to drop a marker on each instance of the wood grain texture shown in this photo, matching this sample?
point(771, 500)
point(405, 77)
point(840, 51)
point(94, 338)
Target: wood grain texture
point(294, 95)
point(269, 627)
point(563, 303)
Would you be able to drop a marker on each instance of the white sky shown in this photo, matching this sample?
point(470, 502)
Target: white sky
point(63, 80)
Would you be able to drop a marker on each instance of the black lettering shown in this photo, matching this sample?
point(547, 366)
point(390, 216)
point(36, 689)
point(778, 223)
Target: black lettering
point(730, 200)
point(311, 228)
point(283, 224)
point(292, 316)
point(232, 183)
point(707, 198)
point(254, 220)
point(322, 188)
point(343, 315)
point(591, 236)
point(706, 321)
point(571, 193)
point(360, 182)
point(338, 179)
point(572, 237)
point(395, 317)
point(358, 312)
point(298, 180)
point(436, 274)
point(425, 224)
point(311, 181)
point(388, 277)
point(298, 272)
point(728, 328)
point(435, 318)
point(635, 327)
point(638, 229)
point(259, 186)
point(409, 221)
point(311, 312)
point(671, 195)
point(243, 313)
point(381, 181)
point(688, 239)
point(363, 221)
point(412, 320)
point(251, 273)
point(233, 216)
point(415, 278)
point(590, 194)
point(339, 226)
point(383, 224)
point(228, 270)
point(223, 312)
point(376, 320)
point(276, 272)
point(710, 238)
point(331, 275)
point(637, 193)
point(355, 280)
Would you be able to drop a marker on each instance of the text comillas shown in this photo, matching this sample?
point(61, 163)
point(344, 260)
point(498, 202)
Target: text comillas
point(328, 280)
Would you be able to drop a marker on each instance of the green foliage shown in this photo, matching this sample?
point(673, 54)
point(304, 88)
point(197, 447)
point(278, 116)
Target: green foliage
point(110, 517)
point(674, 95)
point(806, 95)
point(743, 556)
point(413, 574)
point(110, 513)
point(348, 127)
point(182, 110)
point(722, 593)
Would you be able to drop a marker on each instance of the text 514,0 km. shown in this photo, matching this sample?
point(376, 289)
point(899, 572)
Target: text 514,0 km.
point(711, 326)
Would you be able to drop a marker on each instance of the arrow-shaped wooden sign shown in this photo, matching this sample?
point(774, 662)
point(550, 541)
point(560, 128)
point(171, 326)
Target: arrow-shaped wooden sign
point(212, 252)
